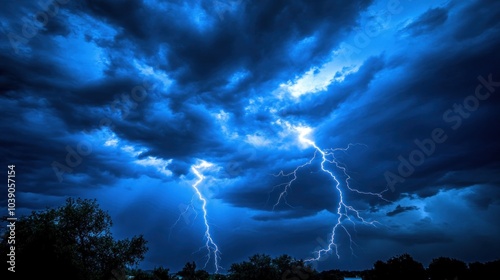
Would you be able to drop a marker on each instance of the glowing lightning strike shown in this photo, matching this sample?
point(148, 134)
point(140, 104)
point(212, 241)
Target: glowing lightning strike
point(344, 211)
point(211, 246)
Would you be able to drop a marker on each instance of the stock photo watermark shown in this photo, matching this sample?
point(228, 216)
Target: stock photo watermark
point(33, 24)
point(11, 218)
point(454, 116)
point(372, 29)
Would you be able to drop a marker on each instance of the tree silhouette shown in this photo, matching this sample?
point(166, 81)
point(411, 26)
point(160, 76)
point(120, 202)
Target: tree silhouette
point(258, 267)
point(72, 242)
point(263, 267)
point(161, 273)
point(158, 273)
point(400, 267)
point(220, 277)
point(288, 268)
point(447, 269)
point(189, 272)
point(488, 270)
point(334, 274)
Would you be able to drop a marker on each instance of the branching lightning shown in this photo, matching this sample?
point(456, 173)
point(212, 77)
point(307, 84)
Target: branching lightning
point(210, 245)
point(345, 211)
point(184, 213)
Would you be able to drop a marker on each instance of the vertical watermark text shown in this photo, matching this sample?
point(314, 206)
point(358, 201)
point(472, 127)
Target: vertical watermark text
point(11, 219)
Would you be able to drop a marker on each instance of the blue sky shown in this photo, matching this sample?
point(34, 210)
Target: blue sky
point(118, 101)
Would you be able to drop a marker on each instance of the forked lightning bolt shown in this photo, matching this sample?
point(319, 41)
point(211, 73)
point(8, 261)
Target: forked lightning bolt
point(211, 246)
point(344, 211)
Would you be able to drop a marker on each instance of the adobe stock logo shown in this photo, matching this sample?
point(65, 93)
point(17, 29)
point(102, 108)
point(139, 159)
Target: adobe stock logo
point(427, 147)
point(34, 24)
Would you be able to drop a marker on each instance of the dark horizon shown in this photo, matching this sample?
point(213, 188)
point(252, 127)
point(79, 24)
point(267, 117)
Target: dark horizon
point(334, 269)
point(287, 121)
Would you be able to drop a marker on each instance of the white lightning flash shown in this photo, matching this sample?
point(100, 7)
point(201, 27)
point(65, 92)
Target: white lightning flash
point(211, 246)
point(344, 211)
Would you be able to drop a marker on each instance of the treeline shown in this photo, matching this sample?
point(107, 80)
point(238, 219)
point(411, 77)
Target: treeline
point(74, 242)
point(263, 267)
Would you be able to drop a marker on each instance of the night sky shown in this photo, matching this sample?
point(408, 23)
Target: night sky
point(119, 100)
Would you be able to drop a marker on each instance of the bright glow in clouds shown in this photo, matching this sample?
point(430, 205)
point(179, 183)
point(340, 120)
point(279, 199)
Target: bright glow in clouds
point(111, 142)
point(223, 119)
point(160, 164)
point(318, 79)
point(345, 211)
point(157, 75)
point(131, 150)
point(257, 140)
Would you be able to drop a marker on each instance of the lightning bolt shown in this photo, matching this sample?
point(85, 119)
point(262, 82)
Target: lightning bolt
point(345, 211)
point(210, 245)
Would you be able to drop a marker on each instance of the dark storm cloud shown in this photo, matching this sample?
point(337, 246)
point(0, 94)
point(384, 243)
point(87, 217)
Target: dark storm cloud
point(53, 151)
point(196, 61)
point(36, 73)
point(420, 233)
point(188, 133)
point(474, 23)
point(401, 209)
point(48, 140)
point(485, 197)
point(392, 114)
point(429, 91)
point(211, 86)
point(201, 59)
point(311, 192)
point(427, 22)
point(308, 195)
point(57, 27)
point(254, 38)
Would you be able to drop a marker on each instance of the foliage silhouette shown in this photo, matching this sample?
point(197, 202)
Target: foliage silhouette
point(75, 242)
point(284, 267)
point(446, 269)
point(158, 273)
point(399, 267)
point(189, 272)
point(72, 242)
point(263, 267)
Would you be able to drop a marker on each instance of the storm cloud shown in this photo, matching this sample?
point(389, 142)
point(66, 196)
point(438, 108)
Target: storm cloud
point(117, 101)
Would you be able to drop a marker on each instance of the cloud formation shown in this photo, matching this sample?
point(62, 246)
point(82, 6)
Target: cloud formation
point(117, 101)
